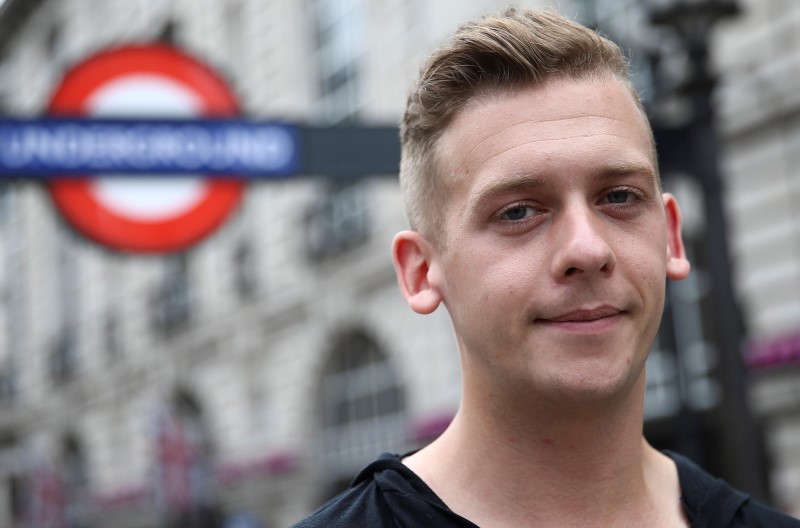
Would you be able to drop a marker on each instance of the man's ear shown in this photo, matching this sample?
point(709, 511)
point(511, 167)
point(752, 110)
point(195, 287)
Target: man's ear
point(412, 255)
point(678, 266)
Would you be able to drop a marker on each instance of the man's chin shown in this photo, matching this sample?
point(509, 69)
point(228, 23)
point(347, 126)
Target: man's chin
point(590, 386)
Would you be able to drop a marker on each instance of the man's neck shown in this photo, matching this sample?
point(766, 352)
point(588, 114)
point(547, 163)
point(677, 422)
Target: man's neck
point(550, 465)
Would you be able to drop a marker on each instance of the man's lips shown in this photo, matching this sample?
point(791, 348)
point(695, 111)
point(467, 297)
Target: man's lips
point(584, 321)
point(584, 315)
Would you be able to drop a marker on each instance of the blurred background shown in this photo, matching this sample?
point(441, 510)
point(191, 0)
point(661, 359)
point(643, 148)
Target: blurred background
point(242, 382)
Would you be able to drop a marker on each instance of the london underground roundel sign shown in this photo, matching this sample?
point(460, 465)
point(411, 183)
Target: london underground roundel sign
point(152, 214)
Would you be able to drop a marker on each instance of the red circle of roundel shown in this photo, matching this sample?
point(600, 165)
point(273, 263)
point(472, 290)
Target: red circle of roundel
point(75, 197)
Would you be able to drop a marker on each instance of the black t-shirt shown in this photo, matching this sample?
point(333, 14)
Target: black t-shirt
point(388, 494)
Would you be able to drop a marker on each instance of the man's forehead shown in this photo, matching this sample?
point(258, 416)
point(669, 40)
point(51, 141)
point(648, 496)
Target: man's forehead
point(564, 110)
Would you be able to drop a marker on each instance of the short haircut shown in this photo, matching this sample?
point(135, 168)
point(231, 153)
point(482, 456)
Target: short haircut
point(506, 53)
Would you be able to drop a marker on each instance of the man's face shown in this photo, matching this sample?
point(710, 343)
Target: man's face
point(558, 241)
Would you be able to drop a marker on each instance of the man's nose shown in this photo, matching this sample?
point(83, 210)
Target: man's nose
point(581, 248)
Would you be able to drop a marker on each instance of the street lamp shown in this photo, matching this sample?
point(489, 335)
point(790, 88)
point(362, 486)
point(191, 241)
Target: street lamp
point(693, 17)
point(691, 22)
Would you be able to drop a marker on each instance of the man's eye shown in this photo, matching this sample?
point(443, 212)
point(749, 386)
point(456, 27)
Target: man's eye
point(518, 212)
point(619, 197)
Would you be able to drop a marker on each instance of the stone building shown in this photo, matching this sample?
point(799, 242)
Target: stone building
point(758, 105)
point(253, 375)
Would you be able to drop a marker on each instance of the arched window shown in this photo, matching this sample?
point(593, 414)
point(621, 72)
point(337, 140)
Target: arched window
point(363, 408)
point(75, 474)
point(185, 487)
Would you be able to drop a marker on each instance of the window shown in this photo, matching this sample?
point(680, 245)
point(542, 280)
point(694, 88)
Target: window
point(77, 501)
point(12, 481)
point(54, 44)
point(245, 270)
point(363, 408)
point(5, 199)
point(111, 339)
point(339, 44)
point(8, 387)
point(337, 222)
point(184, 465)
point(16, 499)
point(63, 359)
point(172, 298)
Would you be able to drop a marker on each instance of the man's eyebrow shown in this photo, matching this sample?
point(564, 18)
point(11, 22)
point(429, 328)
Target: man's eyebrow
point(627, 167)
point(514, 182)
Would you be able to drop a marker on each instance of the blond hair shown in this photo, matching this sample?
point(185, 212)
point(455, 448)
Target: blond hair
point(517, 49)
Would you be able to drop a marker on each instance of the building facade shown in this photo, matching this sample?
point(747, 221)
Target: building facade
point(252, 376)
point(758, 114)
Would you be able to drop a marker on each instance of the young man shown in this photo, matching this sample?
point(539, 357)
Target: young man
point(537, 219)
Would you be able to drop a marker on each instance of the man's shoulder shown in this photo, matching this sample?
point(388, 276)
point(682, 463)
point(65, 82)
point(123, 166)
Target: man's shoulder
point(713, 503)
point(756, 514)
point(362, 504)
point(385, 494)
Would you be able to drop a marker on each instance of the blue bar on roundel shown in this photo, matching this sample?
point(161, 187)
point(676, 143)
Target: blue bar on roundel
point(53, 147)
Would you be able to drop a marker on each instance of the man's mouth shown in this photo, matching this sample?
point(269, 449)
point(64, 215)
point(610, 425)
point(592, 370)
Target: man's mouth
point(585, 320)
point(583, 315)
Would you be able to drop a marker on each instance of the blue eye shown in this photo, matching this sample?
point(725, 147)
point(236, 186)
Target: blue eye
point(517, 212)
point(618, 197)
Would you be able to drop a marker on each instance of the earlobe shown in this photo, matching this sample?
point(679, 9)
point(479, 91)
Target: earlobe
point(412, 254)
point(678, 265)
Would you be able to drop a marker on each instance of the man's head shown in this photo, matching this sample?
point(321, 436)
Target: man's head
point(496, 55)
point(547, 235)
